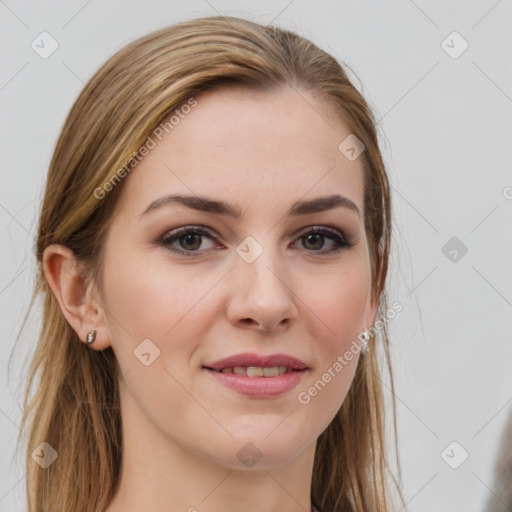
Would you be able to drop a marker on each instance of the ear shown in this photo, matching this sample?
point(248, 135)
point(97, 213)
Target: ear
point(74, 294)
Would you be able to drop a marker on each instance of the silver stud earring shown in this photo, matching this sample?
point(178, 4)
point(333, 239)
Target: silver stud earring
point(91, 337)
point(364, 341)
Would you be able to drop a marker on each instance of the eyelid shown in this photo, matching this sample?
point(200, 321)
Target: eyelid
point(215, 236)
point(324, 227)
point(338, 237)
point(183, 230)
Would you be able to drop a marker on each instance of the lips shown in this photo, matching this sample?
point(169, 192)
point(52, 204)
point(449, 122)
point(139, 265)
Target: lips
point(246, 364)
point(258, 376)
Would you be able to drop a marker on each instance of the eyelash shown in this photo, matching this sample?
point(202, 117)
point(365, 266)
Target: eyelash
point(168, 238)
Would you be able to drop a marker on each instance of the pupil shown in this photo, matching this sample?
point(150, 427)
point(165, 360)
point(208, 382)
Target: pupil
point(188, 238)
point(319, 238)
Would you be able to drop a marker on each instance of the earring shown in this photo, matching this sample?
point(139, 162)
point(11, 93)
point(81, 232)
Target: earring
point(91, 337)
point(364, 341)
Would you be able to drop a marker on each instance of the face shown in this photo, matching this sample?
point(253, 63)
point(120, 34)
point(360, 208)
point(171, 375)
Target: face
point(186, 287)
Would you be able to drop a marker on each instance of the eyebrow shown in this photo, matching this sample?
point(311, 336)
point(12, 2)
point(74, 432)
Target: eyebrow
point(205, 204)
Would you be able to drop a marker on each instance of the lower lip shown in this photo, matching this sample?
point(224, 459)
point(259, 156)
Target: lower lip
point(259, 386)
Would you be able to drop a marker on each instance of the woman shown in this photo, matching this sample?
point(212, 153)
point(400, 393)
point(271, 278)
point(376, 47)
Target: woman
point(212, 250)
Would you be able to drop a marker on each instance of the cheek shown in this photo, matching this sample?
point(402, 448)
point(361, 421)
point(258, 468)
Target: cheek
point(335, 314)
point(166, 304)
point(337, 307)
point(146, 298)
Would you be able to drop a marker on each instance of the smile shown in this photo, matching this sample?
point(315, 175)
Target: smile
point(257, 371)
point(258, 386)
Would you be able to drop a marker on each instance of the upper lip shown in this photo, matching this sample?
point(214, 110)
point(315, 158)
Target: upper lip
point(252, 359)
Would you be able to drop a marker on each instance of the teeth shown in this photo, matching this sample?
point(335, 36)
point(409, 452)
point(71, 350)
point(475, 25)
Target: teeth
point(272, 371)
point(256, 371)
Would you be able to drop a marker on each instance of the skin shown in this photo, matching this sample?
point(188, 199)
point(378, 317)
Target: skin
point(183, 429)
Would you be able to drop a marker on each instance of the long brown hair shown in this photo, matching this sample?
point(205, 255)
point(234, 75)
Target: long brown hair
point(75, 407)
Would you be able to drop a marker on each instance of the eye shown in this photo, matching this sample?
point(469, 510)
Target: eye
point(315, 238)
point(188, 237)
point(190, 240)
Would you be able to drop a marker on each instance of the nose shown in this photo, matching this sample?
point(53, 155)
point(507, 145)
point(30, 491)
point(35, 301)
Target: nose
point(261, 295)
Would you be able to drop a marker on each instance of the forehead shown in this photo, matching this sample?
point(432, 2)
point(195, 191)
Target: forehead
point(248, 147)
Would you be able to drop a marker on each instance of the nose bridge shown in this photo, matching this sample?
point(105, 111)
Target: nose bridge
point(259, 263)
point(262, 292)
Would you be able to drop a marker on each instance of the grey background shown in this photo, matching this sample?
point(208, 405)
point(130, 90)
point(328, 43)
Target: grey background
point(446, 133)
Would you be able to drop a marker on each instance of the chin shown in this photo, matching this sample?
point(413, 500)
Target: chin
point(260, 449)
